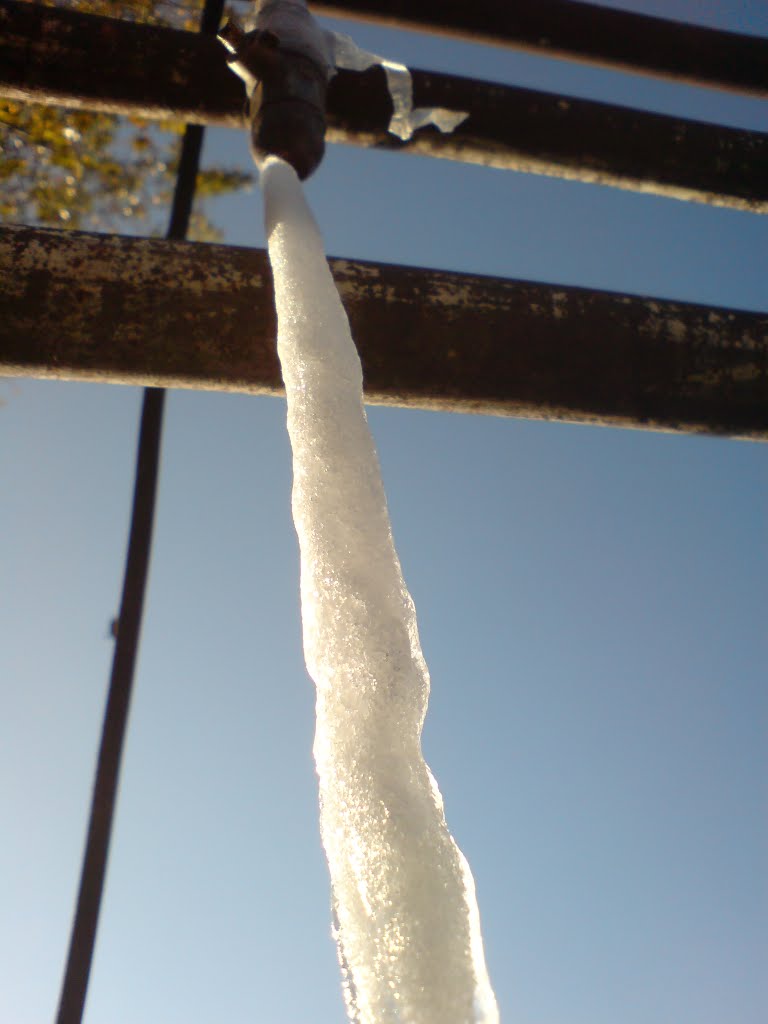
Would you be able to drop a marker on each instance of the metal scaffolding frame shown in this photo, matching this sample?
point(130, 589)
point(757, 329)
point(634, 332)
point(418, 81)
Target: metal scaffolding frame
point(575, 354)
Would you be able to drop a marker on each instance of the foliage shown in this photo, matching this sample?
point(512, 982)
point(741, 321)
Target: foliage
point(82, 169)
point(177, 13)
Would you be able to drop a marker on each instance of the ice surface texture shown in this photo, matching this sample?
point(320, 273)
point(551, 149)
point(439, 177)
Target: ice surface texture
point(407, 923)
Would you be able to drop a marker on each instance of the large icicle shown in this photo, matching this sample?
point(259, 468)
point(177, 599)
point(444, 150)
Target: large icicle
point(406, 918)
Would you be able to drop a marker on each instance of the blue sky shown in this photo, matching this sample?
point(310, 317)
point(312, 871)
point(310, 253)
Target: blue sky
point(592, 607)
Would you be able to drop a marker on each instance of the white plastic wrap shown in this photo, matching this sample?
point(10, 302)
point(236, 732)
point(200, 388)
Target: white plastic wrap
point(406, 919)
point(405, 119)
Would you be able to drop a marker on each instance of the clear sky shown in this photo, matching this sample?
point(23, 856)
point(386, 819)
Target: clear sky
point(592, 606)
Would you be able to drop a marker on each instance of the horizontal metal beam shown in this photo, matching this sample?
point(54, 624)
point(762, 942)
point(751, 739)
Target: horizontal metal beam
point(62, 57)
point(584, 32)
point(178, 314)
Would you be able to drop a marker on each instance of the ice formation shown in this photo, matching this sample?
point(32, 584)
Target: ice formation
point(406, 918)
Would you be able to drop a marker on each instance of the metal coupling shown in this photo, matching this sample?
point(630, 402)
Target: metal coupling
point(287, 97)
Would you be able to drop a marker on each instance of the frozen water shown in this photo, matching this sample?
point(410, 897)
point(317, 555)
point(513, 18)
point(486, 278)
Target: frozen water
point(406, 919)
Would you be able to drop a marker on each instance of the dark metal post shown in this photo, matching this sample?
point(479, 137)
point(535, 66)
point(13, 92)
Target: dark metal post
point(77, 973)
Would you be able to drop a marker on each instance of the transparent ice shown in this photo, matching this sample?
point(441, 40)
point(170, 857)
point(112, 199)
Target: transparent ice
point(406, 918)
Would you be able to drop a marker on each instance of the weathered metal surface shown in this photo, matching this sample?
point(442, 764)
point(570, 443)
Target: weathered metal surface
point(61, 57)
point(580, 140)
point(584, 32)
point(140, 311)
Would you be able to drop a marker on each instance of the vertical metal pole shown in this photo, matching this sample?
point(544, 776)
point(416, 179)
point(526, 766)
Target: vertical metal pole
point(76, 976)
point(83, 937)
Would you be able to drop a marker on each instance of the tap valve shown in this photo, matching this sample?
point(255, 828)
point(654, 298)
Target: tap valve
point(286, 97)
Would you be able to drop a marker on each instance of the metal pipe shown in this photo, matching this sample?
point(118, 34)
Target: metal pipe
point(585, 32)
point(428, 339)
point(51, 55)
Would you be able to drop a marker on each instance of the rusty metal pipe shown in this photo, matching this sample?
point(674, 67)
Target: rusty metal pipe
point(65, 58)
point(428, 339)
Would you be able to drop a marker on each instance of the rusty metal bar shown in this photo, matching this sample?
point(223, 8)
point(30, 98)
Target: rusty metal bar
point(140, 311)
point(584, 32)
point(62, 57)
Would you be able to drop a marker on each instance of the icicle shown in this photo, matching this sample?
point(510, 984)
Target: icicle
point(406, 919)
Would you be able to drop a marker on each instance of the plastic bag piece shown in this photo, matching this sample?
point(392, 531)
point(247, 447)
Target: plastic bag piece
point(405, 118)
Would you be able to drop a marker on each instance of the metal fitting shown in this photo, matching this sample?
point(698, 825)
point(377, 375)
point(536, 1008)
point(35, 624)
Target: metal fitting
point(287, 95)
